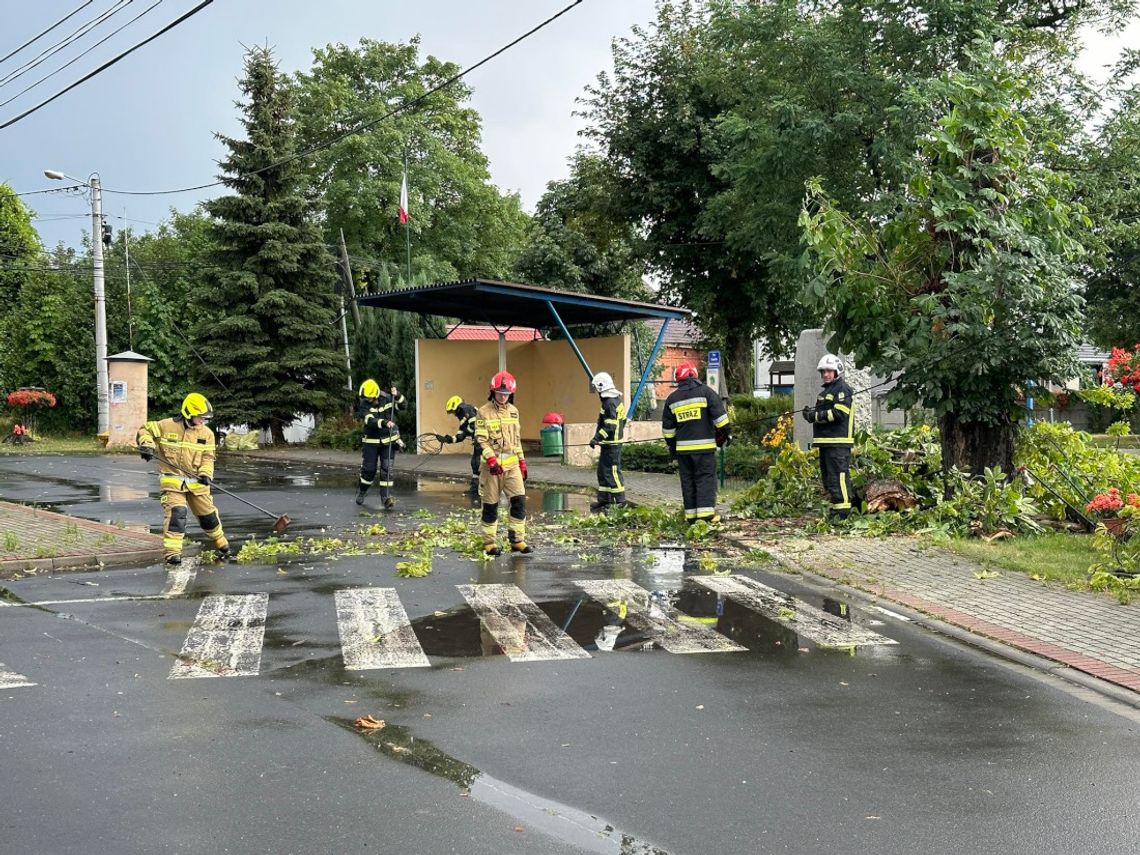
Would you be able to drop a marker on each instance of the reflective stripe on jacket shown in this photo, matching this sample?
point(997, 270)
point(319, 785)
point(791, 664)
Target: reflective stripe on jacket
point(833, 421)
point(466, 415)
point(693, 414)
point(498, 433)
point(611, 421)
point(376, 430)
point(179, 446)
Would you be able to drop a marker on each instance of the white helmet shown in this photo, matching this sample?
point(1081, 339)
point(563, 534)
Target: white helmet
point(603, 383)
point(830, 362)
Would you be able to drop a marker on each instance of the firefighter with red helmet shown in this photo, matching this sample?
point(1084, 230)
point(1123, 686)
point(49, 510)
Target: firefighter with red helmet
point(503, 470)
point(694, 424)
point(185, 448)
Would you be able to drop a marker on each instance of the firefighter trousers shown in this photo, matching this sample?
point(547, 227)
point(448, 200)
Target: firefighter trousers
point(611, 487)
point(377, 458)
point(835, 469)
point(175, 504)
point(698, 484)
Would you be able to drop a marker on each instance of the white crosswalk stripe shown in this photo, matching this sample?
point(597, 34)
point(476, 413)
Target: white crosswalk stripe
point(520, 628)
point(226, 638)
point(826, 630)
point(661, 622)
point(375, 631)
point(179, 577)
point(12, 680)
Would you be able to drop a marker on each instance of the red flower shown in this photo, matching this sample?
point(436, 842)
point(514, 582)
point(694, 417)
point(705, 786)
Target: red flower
point(31, 398)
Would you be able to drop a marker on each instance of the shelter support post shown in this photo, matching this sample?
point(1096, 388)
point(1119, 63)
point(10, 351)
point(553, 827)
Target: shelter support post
point(649, 366)
point(502, 350)
point(570, 339)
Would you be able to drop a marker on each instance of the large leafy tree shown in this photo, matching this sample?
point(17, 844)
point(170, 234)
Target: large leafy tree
point(19, 245)
point(963, 282)
point(461, 224)
point(1114, 192)
point(267, 297)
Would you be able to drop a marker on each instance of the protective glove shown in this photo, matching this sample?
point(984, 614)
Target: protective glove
point(146, 454)
point(522, 468)
point(400, 444)
point(205, 480)
point(672, 450)
point(809, 414)
point(593, 443)
point(395, 394)
point(723, 438)
point(493, 465)
point(389, 424)
point(442, 438)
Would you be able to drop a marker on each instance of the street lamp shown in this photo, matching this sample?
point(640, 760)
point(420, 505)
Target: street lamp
point(101, 382)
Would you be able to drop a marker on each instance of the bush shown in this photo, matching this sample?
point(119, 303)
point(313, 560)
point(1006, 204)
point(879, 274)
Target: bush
point(647, 457)
point(753, 417)
point(741, 460)
point(341, 432)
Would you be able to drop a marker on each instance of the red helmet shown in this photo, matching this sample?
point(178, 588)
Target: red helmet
point(684, 371)
point(504, 381)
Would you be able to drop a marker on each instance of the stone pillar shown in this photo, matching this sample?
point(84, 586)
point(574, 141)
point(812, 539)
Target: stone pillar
point(127, 378)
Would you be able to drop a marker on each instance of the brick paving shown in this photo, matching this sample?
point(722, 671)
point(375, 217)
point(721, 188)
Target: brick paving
point(38, 541)
point(1087, 631)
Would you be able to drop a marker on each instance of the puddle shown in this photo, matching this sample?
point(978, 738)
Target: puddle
point(535, 813)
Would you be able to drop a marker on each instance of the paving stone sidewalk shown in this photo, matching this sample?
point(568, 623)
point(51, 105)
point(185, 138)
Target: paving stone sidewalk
point(1087, 631)
point(38, 541)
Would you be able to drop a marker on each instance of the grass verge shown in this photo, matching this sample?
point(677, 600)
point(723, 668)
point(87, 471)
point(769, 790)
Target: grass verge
point(56, 445)
point(1053, 556)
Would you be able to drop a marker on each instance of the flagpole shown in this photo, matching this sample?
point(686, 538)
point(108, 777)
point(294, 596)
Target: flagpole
point(408, 222)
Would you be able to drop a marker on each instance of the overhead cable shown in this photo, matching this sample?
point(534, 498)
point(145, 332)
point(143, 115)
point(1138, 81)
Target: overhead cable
point(109, 63)
point(36, 38)
point(66, 41)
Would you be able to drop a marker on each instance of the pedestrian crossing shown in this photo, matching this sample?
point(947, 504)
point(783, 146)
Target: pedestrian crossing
point(376, 633)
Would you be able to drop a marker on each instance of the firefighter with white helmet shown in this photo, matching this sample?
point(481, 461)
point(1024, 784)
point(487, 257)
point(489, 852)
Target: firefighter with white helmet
point(833, 433)
point(503, 468)
point(380, 439)
point(610, 434)
point(466, 413)
point(694, 425)
point(185, 448)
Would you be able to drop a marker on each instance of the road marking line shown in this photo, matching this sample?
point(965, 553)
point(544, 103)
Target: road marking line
point(519, 627)
point(662, 624)
point(823, 628)
point(180, 577)
point(130, 599)
point(895, 615)
point(226, 638)
point(375, 631)
point(12, 680)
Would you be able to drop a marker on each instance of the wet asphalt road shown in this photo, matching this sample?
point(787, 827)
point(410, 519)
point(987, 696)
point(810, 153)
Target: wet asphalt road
point(923, 746)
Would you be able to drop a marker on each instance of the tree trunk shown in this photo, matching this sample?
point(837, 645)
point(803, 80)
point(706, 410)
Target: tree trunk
point(972, 446)
point(277, 428)
point(737, 362)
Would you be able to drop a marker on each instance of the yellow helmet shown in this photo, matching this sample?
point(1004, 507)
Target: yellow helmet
point(370, 389)
point(453, 403)
point(195, 404)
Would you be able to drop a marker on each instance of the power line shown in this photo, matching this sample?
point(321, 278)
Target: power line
point(35, 39)
point(111, 62)
point(362, 127)
point(80, 56)
point(65, 42)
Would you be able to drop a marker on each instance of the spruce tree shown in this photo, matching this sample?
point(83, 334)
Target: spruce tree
point(267, 332)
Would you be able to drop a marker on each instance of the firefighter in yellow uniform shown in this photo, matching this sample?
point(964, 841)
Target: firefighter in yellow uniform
point(503, 470)
point(185, 449)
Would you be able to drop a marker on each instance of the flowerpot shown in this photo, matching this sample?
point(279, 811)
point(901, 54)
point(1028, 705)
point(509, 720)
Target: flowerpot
point(1116, 526)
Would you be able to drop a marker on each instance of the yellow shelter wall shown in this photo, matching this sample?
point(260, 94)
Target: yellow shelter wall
point(548, 374)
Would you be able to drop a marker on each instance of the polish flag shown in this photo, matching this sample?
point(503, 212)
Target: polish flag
point(404, 200)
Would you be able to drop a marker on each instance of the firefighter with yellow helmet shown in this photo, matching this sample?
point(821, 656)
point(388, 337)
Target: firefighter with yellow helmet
point(503, 470)
point(466, 414)
point(380, 439)
point(185, 449)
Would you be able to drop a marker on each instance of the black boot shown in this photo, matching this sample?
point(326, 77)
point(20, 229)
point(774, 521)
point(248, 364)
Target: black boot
point(389, 502)
point(518, 545)
point(360, 495)
point(224, 554)
point(174, 559)
point(599, 505)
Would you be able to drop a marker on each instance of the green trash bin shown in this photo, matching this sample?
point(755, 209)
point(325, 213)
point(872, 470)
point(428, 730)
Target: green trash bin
point(551, 441)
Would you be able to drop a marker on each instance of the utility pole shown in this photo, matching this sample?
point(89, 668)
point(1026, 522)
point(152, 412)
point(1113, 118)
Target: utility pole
point(100, 305)
point(101, 382)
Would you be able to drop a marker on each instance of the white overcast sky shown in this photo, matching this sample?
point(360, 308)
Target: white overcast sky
point(148, 122)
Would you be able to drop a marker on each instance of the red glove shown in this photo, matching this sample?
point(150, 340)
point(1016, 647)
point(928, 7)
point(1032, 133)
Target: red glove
point(493, 465)
point(522, 468)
